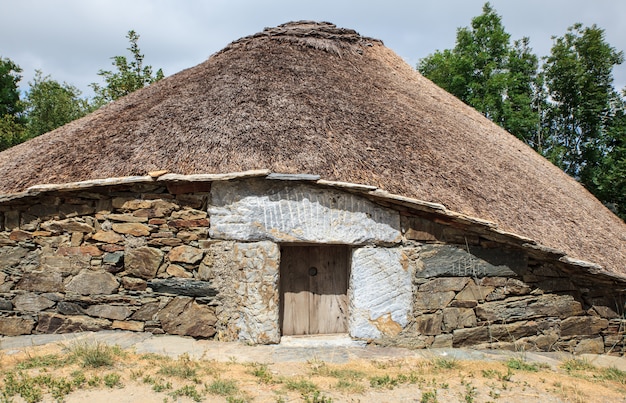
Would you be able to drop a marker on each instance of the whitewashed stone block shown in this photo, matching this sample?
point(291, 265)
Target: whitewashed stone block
point(264, 210)
point(381, 292)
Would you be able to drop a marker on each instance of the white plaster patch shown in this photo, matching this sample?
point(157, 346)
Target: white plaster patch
point(255, 210)
point(380, 289)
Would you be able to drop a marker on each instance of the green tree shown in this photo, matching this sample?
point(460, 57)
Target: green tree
point(51, 104)
point(579, 81)
point(128, 77)
point(9, 92)
point(608, 181)
point(488, 73)
point(11, 106)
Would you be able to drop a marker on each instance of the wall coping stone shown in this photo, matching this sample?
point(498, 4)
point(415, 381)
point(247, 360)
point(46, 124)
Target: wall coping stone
point(481, 226)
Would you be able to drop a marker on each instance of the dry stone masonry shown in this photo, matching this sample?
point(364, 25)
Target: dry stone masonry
point(200, 256)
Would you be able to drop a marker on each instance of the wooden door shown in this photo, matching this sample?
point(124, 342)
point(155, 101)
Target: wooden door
point(314, 285)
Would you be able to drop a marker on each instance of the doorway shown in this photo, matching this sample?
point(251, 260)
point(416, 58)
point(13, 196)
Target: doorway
point(314, 287)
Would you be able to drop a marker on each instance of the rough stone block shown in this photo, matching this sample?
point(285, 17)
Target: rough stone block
point(31, 303)
point(184, 317)
point(185, 254)
point(134, 229)
point(457, 261)
point(41, 281)
point(583, 325)
point(429, 324)
point(529, 307)
point(442, 341)
point(129, 325)
point(89, 282)
point(432, 300)
point(143, 262)
point(458, 318)
point(590, 346)
point(381, 285)
point(55, 323)
point(264, 210)
point(107, 237)
point(494, 333)
point(108, 311)
point(443, 284)
point(69, 225)
point(183, 286)
point(134, 284)
point(12, 256)
point(473, 292)
point(16, 326)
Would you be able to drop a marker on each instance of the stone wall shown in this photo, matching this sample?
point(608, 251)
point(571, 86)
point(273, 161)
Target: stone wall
point(202, 259)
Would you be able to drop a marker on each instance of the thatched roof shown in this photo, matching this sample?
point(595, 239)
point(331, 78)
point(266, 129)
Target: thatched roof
point(312, 98)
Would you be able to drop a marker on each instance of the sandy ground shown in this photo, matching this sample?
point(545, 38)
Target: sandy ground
point(172, 369)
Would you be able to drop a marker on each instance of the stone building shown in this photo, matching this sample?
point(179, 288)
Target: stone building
point(305, 180)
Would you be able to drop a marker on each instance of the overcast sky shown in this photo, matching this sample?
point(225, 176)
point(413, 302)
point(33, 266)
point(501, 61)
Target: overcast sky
point(72, 39)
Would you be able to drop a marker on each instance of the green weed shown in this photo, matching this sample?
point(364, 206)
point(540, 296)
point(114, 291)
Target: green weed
point(301, 385)
point(222, 387)
point(188, 391)
point(112, 380)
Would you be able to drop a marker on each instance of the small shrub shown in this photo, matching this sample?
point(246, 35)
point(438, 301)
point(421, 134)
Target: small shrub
point(222, 387)
point(445, 363)
point(350, 386)
point(612, 374)
point(576, 364)
point(383, 382)
point(262, 372)
point(429, 397)
point(95, 355)
point(112, 380)
point(182, 368)
point(188, 391)
point(316, 397)
point(301, 385)
point(521, 364)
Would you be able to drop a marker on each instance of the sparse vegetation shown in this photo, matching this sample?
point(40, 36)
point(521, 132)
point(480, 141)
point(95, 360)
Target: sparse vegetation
point(53, 376)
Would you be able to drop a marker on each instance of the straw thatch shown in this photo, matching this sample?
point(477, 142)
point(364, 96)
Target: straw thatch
point(311, 98)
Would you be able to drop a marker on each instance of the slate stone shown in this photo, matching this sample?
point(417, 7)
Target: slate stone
point(114, 259)
point(186, 254)
point(89, 282)
point(5, 305)
point(590, 346)
point(473, 292)
point(146, 312)
point(11, 256)
point(529, 307)
point(493, 333)
point(184, 317)
point(107, 237)
point(432, 300)
point(41, 281)
point(444, 284)
point(55, 323)
point(16, 326)
point(85, 250)
point(69, 308)
point(457, 261)
point(583, 325)
point(108, 311)
point(135, 229)
point(134, 284)
point(69, 225)
point(182, 286)
point(129, 325)
point(143, 262)
point(458, 318)
point(429, 324)
point(31, 303)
